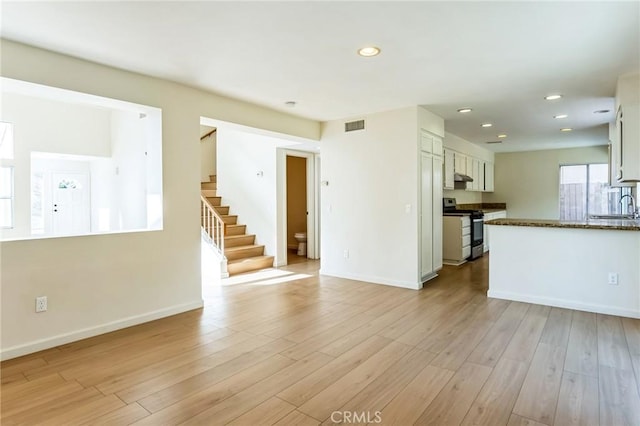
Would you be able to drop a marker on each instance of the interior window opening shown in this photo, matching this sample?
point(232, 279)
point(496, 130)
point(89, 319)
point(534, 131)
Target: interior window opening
point(77, 164)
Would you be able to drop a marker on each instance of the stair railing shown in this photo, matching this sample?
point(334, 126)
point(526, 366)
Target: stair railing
point(212, 226)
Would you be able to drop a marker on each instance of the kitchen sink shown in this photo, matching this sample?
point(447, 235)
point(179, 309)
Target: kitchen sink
point(612, 216)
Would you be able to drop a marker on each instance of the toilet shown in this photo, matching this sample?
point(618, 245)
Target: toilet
point(301, 237)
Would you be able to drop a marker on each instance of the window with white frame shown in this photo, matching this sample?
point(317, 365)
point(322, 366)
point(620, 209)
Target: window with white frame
point(6, 175)
point(584, 191)
point(6, 141)
point(6, 197)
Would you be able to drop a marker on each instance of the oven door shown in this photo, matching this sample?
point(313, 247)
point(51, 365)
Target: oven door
point(477, 230)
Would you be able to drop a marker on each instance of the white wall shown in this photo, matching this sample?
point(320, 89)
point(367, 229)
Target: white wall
point(129, 149)
point(463, 197)
point(463, 146)
point(252, 197)
point(104, 199)
point(529, 182)
point(99, 283)
point(372, 176)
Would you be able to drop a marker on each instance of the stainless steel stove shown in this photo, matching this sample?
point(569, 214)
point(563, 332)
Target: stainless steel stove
point(449, 208)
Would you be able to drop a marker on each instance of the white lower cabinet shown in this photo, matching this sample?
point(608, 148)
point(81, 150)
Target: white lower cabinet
point(456, 247)
point(487, 217)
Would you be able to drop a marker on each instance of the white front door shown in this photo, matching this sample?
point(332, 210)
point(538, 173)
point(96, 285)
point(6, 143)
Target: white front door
point(71, 209)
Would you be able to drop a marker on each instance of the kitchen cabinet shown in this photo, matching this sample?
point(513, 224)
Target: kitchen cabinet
point(476, 175)
point(488, 177)
point(448, 169)
point(625, 145)
point(431, 183)
point(460, 163)
point(456, 246)
point(481, 172)
point(487, 217)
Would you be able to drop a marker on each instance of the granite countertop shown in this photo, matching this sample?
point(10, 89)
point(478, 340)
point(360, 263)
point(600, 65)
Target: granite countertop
point(484, 206)
point(620, 225)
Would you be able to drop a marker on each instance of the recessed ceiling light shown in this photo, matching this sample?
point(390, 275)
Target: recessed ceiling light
point(369, 51)
point(566, 129)
point(290, 104)
point(602, 111)
point(487, 125)
point(502, 135)
point(463, 110)
point(552, 97)
point(560, 116)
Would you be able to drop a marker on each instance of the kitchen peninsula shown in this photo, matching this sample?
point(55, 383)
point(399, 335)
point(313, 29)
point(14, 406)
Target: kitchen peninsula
point(591, 266)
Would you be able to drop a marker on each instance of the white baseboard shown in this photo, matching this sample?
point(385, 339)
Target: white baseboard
point(373, 280)
point(84, 333)
point(562, 303)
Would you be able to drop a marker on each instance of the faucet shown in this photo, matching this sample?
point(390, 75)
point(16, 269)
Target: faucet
point(634, 212)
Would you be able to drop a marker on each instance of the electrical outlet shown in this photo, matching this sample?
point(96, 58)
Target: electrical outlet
point(41, 304)
point(613, 278)
point(346, 254)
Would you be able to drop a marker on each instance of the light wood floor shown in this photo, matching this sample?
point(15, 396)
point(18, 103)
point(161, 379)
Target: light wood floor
point(292, 348)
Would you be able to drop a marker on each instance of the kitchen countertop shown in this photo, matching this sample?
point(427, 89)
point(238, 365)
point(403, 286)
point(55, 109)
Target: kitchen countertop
point(493, 210)
point(620, 225)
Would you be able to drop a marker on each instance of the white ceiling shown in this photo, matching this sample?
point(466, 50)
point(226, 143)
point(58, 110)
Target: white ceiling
point(499, 58)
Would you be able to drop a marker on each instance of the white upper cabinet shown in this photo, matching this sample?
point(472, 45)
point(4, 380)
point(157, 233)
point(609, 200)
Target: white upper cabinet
point(476, 175)
point(448, 169)
point(481, 174)
point(460, 163)
point(479, 170)
point(488, 177)
point(437, 146)
point(625, 149)
point(430, 143)
point(466, 158)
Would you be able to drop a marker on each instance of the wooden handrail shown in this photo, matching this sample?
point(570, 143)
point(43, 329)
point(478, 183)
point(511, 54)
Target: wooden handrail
point(212, 225)
point(208, 134)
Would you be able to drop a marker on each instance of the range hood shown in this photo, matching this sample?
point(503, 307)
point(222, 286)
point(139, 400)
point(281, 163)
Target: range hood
point(459, 177)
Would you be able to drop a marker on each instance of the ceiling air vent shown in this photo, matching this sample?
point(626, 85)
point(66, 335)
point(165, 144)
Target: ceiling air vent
point(494, 142)
point(354, 125)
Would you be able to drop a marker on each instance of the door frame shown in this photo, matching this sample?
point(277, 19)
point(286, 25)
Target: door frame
point(313, 251)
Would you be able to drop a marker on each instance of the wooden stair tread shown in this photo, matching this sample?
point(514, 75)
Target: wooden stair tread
point(240, 248)
point(249, 259)
point(235, 229)
point(233, 237)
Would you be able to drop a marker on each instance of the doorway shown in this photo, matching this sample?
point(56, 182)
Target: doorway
point(298, 206)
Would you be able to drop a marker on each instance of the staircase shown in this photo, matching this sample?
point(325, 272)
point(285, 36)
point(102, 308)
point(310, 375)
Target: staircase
point(227, 236)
